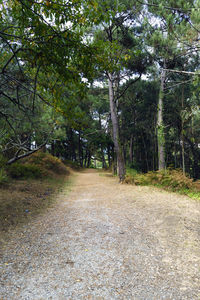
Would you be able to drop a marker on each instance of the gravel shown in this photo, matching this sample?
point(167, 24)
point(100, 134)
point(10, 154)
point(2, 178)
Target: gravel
point(104, 240)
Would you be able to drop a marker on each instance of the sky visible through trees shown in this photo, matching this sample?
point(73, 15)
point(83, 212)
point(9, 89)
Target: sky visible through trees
point(107, 83)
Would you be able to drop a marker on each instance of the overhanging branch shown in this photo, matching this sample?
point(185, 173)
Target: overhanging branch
point(128, 85)
point(182, 72)
point(14, 159)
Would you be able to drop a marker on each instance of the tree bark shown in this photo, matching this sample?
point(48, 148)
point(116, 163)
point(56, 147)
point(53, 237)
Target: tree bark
point(160, 127)
point(115, 125)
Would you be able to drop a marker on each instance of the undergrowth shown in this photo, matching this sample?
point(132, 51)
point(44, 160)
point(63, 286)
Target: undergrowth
point(46, 163)
point(3, 176)
point(19, 170)
point(31, 186)
point(72, 164)
point(38, 165)
point(173, 180)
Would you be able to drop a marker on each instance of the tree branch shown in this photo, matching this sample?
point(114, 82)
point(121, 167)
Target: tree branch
point(14, 159)
point(128, 85)
point(182, 72)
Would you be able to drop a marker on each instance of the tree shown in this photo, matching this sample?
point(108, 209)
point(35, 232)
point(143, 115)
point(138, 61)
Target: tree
point(124, 57)
point(43, 55)
point(170, 42)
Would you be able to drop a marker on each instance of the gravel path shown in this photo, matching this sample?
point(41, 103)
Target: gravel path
point(105, 240)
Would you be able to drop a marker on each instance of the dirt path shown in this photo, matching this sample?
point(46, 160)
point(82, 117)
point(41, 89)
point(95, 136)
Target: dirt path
point(104, 240)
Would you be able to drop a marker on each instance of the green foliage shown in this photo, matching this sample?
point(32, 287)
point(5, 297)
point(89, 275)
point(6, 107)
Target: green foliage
point(130, 175)
point(173, 179)
point(38, 165)
point(3, 176)
point(72, 164)
point(169, 179)
point(3, 160)
point(55, 51)
point(131, 172)
point(46, 163)
point(18, 170)
point(161, 134)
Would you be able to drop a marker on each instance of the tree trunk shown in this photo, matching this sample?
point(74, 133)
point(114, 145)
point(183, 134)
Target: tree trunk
point(145, 152)
point(89, 159)
point(160, 127)
point(86, 158)
point(115, 125)
point(80, 151)
point(182, 136)
point(109, 158)
point(104, 166)
point(131, 151)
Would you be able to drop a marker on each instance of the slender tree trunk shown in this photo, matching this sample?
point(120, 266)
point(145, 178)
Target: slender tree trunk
point(124, 147)
point(182, 135)
point(104, 166)
point(114, 165)
point(131, 150)
point(72, 146)
point(115, 125)
point(145, 151)
point(109, 159)
point(175, 159)
point(85, 158)
point(80, 152)
point(160, 127)
point(89, 159)
point(155, 149)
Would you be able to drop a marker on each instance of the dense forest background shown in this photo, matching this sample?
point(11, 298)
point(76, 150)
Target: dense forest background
point(110, 84)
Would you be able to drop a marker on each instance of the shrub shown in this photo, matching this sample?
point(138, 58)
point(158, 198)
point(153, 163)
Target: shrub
point(173, 179)
point(18, 170)
point(3, 161)
point(130, 175)
point(3, 176)
point(47, 163)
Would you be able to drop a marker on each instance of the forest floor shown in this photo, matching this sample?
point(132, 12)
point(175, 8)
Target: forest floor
point(105, 240)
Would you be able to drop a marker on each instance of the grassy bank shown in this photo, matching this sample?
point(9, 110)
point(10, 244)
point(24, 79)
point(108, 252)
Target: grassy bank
point(29, 187)
point(171, 180)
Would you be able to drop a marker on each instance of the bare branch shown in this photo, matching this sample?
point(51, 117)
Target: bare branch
point(182, 72)
point(128, 85)
point(166, 7)
point(14, 159)
point(169, 87)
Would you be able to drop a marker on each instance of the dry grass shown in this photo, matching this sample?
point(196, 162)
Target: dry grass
point(173, 180)
point(47, 163)
point(22, 199)
point(35, 184)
